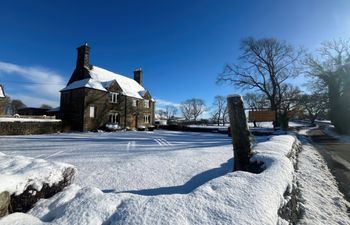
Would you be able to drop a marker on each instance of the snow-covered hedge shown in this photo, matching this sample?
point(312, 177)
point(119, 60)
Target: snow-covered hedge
point(235, 198)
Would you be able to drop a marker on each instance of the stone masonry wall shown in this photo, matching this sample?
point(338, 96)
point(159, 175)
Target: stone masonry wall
point(25, 128)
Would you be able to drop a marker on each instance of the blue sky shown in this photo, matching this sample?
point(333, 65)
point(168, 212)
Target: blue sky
point(181, 45)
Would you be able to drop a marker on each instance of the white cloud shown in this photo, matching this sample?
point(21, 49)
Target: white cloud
point(35, 86)
point(35, 101)
point(160, 103)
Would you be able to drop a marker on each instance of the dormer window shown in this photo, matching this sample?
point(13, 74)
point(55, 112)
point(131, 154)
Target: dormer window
point(146, 104)
point(113, 97)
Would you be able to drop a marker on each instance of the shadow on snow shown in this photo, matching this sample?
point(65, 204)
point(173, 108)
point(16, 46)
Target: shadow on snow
point(186, 188)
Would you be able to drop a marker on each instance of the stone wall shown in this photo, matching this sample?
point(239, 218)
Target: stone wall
point(25, 128)
point(2, 106)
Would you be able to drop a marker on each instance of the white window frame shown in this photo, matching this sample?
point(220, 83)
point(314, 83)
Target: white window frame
point(92, 113)
point(113, 97)
point(134, 103)
point(146, 118)
point(146, 104)
point(113, 118)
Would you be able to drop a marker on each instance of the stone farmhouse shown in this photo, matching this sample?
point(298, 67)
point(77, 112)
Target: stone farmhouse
point(2, 100)
point(95, 98)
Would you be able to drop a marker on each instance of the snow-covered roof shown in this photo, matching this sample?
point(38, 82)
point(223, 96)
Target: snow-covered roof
point(89, 83)
point(101, 79)
point(2, 93)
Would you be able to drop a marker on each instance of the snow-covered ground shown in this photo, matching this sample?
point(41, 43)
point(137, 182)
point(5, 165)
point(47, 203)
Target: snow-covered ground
point(270, 125)
point(124, 161)
point(321, 201)
point(330, 130)
point(157, 178)
point(166, 177)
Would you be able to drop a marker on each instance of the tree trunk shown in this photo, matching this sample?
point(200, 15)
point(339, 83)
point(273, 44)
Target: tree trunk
point(284, 120)
point(274, 108)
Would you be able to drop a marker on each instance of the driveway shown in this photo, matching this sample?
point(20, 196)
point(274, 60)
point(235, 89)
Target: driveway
point(337, 156)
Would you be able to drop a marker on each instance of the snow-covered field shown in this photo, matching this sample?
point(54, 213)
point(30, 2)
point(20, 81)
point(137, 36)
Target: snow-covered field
point(157, 178)
point(125, 161)
point(166, 177)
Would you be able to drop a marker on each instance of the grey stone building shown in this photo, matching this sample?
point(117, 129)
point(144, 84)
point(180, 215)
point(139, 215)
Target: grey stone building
point(95, 97)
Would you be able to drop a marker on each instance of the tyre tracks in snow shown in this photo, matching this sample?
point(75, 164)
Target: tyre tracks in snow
point(163, 142)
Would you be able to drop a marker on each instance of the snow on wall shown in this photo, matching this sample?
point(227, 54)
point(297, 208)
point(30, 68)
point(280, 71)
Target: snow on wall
point(14, 119)
point(235, 198)
point(19, 172)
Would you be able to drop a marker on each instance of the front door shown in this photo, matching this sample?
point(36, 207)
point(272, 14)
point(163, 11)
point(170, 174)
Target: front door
point(134, 121)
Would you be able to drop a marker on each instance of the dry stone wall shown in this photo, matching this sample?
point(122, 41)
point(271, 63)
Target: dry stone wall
point(25, 128)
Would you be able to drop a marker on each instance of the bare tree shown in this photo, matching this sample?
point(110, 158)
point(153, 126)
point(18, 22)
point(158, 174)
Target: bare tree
point(5, 105)
point(225, 117)
point(314, 104)
point(192, 108)
point(17, 104)
point(256, 101)
point(290, 104)
point(219, 113)
point(162, 114)
point(332, 69)
point(264, 65)
point(45, 106)
point(170, 111)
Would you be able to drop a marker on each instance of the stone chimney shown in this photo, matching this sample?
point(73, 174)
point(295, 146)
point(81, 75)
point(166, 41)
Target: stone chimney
point(138, 75)
point(83, 64)
point(83, 56)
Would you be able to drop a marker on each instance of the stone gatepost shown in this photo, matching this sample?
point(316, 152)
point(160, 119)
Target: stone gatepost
point(4, 203)
point(240, 133)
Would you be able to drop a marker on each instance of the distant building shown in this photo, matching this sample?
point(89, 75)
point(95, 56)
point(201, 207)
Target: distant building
point(95, 97)
point(2, 100)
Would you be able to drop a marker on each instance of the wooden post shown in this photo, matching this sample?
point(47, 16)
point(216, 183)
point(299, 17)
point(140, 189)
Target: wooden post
point(240, 133)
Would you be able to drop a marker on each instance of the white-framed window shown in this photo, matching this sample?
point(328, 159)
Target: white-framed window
point(113, 97)
point(114, 118)
point(134, 103)
point(146, 118)
point(146, 104)
point(92, 111)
